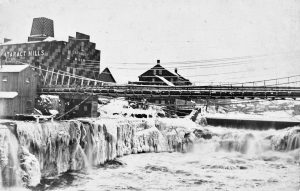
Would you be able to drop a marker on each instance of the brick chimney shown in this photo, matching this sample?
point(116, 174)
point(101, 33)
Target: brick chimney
point(158, 62)
point(41, 29)
point(176, 70)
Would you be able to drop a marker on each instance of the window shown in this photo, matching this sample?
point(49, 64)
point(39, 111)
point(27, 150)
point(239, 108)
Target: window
point(69, 55)
point(28, 106)
point(85, 108)
point(4, 79)
point(154, 72)
point(27, 80)
point(160, 72)
point(153, 79)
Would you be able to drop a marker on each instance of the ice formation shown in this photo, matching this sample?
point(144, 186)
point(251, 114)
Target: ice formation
point(30, 151)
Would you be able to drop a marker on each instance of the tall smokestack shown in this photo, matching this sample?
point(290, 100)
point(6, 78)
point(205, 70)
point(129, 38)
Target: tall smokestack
point(41, 29)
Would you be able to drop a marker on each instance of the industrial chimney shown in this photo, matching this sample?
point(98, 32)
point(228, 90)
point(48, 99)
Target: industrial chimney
point(41, 29)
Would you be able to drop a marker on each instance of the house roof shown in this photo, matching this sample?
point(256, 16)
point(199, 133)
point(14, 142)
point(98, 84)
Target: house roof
point(166, 73)
point(157, 67)
point(106, 76)
point(13, 68)
point(8, 95)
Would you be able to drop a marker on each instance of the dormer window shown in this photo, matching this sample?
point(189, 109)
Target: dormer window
point(154, 72)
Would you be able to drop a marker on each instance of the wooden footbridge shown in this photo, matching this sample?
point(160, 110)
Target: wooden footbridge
point(66, 84)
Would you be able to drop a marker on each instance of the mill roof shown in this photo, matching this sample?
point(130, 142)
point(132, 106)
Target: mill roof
point(13, 68)
point(8, 95)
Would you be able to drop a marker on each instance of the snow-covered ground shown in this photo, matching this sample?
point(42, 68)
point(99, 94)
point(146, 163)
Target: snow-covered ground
point(278, 110)
point(121, 108)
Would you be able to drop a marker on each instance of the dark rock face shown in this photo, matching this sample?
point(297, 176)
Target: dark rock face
point(203, 133)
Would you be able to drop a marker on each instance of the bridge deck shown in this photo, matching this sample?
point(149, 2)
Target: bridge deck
point(187, 92)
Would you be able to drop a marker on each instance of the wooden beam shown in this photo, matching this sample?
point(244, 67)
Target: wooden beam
point(51, 76)
point(45, 79)
point(69, 80)
point(62, 79)
point(57, 75)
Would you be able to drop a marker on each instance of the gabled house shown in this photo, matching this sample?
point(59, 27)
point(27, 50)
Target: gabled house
point(159, 75)
point(18, 85)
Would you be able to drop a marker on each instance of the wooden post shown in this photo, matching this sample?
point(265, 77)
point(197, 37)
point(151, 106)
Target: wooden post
point(57, 75)
point(95, 83)
point(62, 79)
point(88, 83)
point(45, 79)
point(69, 81)
point(51, 76)
point(75, 80)
point(81, 82)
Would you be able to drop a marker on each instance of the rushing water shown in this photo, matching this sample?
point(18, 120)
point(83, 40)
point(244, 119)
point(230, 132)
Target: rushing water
point(233, 159)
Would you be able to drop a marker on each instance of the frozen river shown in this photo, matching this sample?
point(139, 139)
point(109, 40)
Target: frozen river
point(231, 160)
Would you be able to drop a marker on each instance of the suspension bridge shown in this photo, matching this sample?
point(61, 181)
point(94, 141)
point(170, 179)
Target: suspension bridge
point(58, 82)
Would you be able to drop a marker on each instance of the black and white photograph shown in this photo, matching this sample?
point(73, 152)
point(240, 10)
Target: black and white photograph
point(150, 95)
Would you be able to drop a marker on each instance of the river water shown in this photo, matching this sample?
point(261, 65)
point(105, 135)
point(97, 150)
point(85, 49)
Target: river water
point(232, 160)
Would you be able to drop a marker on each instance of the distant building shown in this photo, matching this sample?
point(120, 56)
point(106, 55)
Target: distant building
point(78, 55)
point(158, 75)
point(17, 90)
point(106, 76)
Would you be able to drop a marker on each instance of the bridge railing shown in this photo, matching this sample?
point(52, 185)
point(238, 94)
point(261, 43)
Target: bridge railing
point(54, 77)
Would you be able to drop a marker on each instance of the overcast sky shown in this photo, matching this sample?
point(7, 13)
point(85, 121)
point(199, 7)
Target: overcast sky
point(174, 31)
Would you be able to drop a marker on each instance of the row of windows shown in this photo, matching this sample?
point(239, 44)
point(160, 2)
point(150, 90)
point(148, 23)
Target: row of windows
point(5, 79)
point(169, 79)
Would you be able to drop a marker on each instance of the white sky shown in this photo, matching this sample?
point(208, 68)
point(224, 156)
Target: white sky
point(140, 31)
